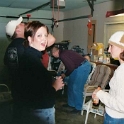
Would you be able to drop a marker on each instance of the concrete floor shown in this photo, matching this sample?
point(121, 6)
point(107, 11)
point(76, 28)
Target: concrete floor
point(63, 116)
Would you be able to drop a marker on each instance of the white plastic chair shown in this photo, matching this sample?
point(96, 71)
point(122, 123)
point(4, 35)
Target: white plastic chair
point(90, 109)
point(100, 77)
point(6, 88)
point(5, 93)
point(93, 69)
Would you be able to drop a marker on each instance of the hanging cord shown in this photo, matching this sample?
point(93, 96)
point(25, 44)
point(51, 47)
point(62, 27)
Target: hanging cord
point(56, 20)
point(58, 16)
point(53, 10)
point(52, 26)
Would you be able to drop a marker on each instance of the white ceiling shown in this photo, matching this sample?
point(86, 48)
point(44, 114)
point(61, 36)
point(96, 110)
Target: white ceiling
point(31, 4)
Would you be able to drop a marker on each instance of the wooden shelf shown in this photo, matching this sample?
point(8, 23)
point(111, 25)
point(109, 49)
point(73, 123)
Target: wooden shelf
point(112, 66)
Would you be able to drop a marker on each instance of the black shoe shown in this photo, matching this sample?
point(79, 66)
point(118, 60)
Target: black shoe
point(75, 111)
point(67, 106)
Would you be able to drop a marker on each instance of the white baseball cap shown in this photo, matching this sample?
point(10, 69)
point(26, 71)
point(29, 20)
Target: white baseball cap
point(117, 39)
point(11, 26)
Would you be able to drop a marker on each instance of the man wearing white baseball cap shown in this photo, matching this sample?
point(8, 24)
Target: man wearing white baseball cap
point(15, 30)
point(12, 25)
point(14, 51)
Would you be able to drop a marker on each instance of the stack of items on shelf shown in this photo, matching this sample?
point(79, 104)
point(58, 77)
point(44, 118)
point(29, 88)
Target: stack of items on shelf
point(78, 49)
point(98, 53)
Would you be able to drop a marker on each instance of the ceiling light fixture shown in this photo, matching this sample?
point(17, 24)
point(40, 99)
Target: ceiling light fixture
point(58, 3)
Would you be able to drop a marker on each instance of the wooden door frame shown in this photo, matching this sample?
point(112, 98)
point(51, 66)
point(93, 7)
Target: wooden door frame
point(91, 38)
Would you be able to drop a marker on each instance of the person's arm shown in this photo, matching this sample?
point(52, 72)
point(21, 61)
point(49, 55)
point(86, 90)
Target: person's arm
point(58, 84)
point(114, 99)
point(51, 40)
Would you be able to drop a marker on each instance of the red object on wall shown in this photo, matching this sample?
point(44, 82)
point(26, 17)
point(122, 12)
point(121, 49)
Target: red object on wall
point(89, 25)
point(28, 15)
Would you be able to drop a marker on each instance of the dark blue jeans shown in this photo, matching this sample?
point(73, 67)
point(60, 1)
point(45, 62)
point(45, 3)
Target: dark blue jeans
point(110, 120)
point(77, 80)
point(33, 116)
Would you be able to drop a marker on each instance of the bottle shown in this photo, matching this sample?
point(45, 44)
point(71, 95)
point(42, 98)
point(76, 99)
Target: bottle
point(104, 60)
point(96, 101)
point(100, 58)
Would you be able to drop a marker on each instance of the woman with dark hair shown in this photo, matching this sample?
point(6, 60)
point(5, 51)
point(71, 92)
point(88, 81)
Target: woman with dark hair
point(114, 100)
point(35, 92)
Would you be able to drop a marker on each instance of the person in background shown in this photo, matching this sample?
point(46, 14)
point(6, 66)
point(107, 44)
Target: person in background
point(14, 51)
point(114, 100)
point(45, 56)
point(15, 31)
point(78, 69)
point(36, 90)
point(87, 57)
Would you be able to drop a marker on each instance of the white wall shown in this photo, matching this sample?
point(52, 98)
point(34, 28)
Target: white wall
point(76, 30)
point(4, 11)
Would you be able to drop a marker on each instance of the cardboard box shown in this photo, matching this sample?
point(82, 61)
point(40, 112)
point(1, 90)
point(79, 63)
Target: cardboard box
point(98, 49)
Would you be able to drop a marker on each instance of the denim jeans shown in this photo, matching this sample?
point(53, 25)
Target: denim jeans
point(34, 116)
point(77, 80)
point(46, 116)
point(110, 120)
